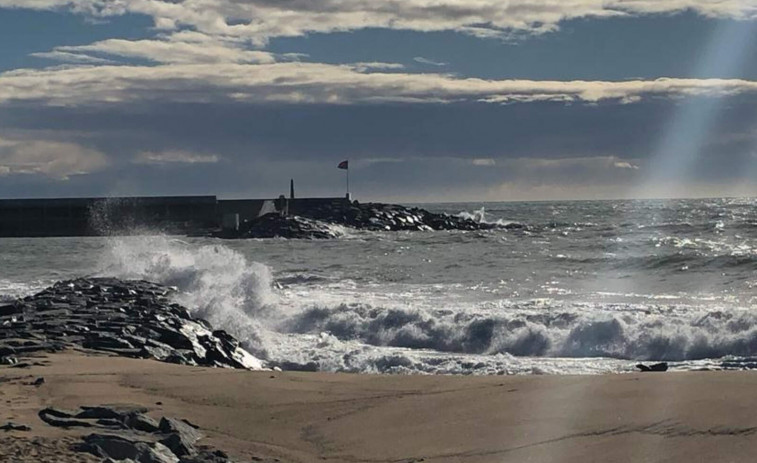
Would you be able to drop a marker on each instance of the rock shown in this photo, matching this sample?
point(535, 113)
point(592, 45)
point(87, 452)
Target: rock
point(123, 448)
point(106, 412)
point(140, 422)
point(129, 435)
point(171, 426)
point(294, 366)
point(53, 419)
point(314, 222)
point(38, 382)
point(275, 225)
point(656, 367)
point(178, 444)
point(10, 426)
point(125, 318)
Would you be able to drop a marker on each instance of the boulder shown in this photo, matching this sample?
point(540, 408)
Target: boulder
point(656, 367)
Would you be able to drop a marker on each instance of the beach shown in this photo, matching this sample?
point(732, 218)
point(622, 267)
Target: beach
point(304, 417)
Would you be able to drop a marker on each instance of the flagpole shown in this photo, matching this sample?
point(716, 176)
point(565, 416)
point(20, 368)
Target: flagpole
point(348, 180)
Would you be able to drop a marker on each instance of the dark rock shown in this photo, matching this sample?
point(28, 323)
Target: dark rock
point(313, 222)
point(116, 412)
point(38, 382)
point(140, 422)
point(178, 444)
point(294, 366)
point(275, 225)
point(656, 367)
point(126, 318)
point(123, 448)
point(62, 422)
point(10, 426)
point(171, 426)
point(58, 413)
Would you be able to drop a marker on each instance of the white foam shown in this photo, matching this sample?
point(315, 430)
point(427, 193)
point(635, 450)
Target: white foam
point(345, 326)
point(214, 282)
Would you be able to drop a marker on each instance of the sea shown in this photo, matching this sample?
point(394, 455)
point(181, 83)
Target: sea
point(581, 287)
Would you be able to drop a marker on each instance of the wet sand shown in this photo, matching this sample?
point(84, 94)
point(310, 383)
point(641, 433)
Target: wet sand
point(304, 417)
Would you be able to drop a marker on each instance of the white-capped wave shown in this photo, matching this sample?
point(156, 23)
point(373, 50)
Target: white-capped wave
point(345, 327)
point(214, 282)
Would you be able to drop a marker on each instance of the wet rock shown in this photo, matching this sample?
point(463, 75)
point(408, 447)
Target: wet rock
point(126, 318)
point(275, 225)
point(314, 222)
point(656, 367)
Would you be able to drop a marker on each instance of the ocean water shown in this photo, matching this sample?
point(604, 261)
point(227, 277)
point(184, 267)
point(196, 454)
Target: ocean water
point(575, 288)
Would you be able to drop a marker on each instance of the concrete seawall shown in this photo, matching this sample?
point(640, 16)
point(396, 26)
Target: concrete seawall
point(129, 215)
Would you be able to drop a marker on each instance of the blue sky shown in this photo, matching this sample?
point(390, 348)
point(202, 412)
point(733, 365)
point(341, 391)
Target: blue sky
point(430, 101)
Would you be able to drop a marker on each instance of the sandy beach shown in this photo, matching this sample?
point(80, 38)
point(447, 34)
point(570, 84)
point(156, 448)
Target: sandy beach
point(303, 417)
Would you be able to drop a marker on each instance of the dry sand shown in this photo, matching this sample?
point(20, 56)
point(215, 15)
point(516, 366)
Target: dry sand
point(302, 417)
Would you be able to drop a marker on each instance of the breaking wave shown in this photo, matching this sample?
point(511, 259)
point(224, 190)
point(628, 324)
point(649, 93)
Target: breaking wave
point(215, 282)
point(303, 330)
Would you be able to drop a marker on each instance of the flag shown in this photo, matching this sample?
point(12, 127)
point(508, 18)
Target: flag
point(344, 165)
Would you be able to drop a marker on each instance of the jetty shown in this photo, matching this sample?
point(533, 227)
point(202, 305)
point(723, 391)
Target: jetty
point(182, 215)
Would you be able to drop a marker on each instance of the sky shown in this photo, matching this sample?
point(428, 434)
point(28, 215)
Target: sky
point(430, 100)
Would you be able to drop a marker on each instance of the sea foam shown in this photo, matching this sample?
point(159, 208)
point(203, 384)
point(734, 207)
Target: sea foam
point(344, 328)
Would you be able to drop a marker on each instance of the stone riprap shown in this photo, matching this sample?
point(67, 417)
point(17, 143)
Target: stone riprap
point(315, 222)
point(124, 433)
point(391, 217)
point(275, 225)
point(127, 318)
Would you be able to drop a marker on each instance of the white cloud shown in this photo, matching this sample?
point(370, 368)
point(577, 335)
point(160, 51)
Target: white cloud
point(625, 165)
point(69, 57)
point(259, 20)
point(422, 60)
point(54, 159)
point(185, 48)
point(484, 162)
point(303, 83)
point(175, 157)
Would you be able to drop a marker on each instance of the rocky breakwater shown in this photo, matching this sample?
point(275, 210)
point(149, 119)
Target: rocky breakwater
point(127, 318)
point(316, 222)
point(275, 225)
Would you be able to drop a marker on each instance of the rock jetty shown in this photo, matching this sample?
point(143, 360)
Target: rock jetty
point(275, 225)
point(126, 318)
point(314, 222)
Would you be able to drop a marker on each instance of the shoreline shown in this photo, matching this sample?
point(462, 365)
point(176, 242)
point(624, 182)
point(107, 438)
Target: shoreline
point(303, 417)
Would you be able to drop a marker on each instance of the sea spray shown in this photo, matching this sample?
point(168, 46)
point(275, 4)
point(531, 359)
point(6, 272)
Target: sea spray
point(215, 282)
point(343, 325)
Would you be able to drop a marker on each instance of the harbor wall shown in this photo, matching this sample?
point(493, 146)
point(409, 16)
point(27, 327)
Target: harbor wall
point(182, 215)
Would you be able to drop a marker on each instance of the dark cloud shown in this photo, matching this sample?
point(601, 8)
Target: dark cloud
point(398, 151)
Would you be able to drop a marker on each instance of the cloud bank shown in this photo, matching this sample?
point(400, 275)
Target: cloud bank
point(316, 83)
point(58, 160)
point(259, 20)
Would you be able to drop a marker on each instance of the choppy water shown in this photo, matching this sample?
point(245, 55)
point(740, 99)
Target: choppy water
point(582, 287)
